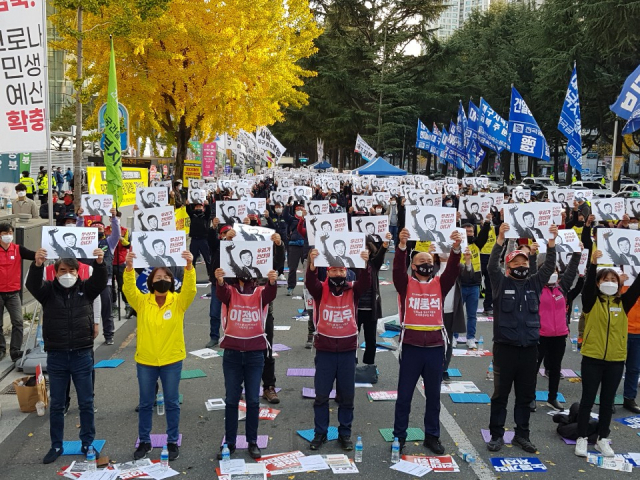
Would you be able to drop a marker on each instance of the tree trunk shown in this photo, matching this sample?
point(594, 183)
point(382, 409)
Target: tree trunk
point(429, 157)
point(77, 175)
point(516, 167)
point(484, 168)
point(182, 147)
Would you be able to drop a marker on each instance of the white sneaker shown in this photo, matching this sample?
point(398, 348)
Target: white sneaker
point(454, 342)
point(604, 447)
point(471, 344)
point(581, 447)
point(282, 277)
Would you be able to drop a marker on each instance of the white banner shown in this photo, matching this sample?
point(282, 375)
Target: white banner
point(618, 246)
point(159, 249)
point(530, 220)
point(69, 242)
point(608, 209)
point(154, 219)
point(330, 223)
point(97, 204)
point(340, 250)
point(267, 141)
point(251, 260)
point(152, 197)
point(364, 149)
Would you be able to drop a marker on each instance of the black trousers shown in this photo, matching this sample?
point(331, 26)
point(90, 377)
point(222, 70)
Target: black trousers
point(369, 325)
point(269, 369)
point(295, 257)
point(448, 325)
point(488, 293)
point(119, 271)
point(551, 350)
point(513, 366)
point(606, 376)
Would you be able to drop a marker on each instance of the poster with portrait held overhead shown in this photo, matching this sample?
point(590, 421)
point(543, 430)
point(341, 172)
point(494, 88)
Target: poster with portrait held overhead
point(340, 250)
point(521, 195)
point(477, 183)
point(227, 184)
point(279, 197)
point(241, 190)
point(256, 206)
point(563, 259)
point(249, 233)
point(474, 208)
point(69, 242)
point(451, 189)
point(567, 241)
point(529, 220)
point(431, 224)
point(362, 203)
point(159, 249)
point(302, 194)
point(330, 223)
point(632, 207)
point(371, 225)
point(248, 260)
point(197, 196)
point(564, 196)
point(196, 183)
point(152, 197)
point(154, 219)
point(96, 204)
point(608, 209)
point(382, 199)
point(318, 207)
point(618, 246)
point(586, 195)
point(231, 211)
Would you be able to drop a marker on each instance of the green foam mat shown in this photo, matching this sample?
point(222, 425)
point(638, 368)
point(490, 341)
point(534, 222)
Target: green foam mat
point(186, 374)
point(413, 434)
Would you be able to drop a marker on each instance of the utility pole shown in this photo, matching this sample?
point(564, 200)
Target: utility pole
point(384, 59)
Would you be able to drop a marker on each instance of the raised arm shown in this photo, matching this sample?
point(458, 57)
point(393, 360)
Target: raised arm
point(630, 297)
point(188, 290)
point(570, 273)
point(97, 282)
point(311, 281)
point(400, 277)
point(493, 267)
point(114, 236)
point(35, 283)
point(590, 290)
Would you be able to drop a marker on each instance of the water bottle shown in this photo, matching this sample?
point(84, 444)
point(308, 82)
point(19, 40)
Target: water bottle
point(40, 408)
point(395, 451)
point(481, 343)
point(490, 371)
point(574, 343)
point(92, 465)
point(9, 204)
point(359, 446)
point(164, 458)
point(575, 316)
point(467, 456)
point(226, 454)
point(160, 403)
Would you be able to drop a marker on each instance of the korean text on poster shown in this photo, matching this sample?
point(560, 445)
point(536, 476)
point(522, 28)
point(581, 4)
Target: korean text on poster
point(340, 250)
point(154, 219)
point(323, 224)
point(69, 242)
point(251, 260)
point(159, 249)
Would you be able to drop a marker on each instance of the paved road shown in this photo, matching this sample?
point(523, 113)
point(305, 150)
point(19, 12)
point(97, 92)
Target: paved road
point(24, 441)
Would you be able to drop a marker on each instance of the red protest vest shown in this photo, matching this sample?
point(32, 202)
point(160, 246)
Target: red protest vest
point(10, 268)
point(83, 272)
point(245, 317)
point(423, 305)
point(336, 314)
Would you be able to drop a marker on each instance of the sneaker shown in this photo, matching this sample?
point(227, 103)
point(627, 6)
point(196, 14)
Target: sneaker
point(581, 447)
point(174, 451)
point(142, 451)
point(318, 441)
point(495, 444)
point(471, 344)
point(108, 341)
point(52, 455)
point(129, 312)
point(603, 445)
point(282, 278)
point(554, 404)
point(533, 406)
point(84, 449)
point(212, 343)
point(254, 451)
point(345, 442)
point(631, 405)
point(445, 378)
point(454, 342)
point(433, 444)
point(488, 312)
point(524, 443)
point(232, 450)
point(270, 395)
point(289, 292)
point(309, 343)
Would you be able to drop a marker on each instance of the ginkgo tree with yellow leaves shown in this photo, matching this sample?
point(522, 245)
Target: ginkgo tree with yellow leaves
point(201, 67)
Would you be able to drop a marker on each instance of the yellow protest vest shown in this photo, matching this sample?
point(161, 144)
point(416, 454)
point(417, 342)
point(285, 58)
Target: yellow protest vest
point(28, 182)
point(422, 246)
point(475, 258)
point(491, 241)
point(578, 230)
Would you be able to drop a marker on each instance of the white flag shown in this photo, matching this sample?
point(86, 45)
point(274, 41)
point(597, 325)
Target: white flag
point(364, 149)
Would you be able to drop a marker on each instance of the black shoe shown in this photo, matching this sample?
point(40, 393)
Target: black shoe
point(556, 406)
point(631, 405)
point(16, 355)
point(318, 441)
point(84, 449)
point(52, 455)
point(488, 312)
point(524, 443)
point(433, 444)
point(309, 344)
point(108, 341)
point(137, 408)
point(212, 343)
point(129, 313)
point(254, 451)
point(495, 444)
point(142, 451)
point(345, 442)
point(445, 378)
point(533, 406)
point(174, 451)
point(232, 450)
point(2, 355)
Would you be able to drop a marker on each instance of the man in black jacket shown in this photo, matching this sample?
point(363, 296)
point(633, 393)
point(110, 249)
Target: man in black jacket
point(200, 217)
point(68, 331)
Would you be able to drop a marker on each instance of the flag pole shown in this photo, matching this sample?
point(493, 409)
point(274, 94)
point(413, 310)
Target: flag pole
point(613, 152)
point(47, 111)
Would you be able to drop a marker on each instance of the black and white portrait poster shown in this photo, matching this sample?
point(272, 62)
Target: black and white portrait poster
point(521, 195)
point(451, 180)
point(362, 203)
point(278, 197)
point(365, 181)
point(585, 195)
point(241, 190)
point(415, 196)
point(332, 186)
point(474, 208)
point(340, 250)
point(430, 224)
point(287, 193)
point(496, 201)
point(619, 246)
point(97, 204)
point(227, 183)
point(69, 242)
point(563, 196)
point(210, 186)
point(381, 198)
point(161, 183)
point(531, 220)
point(567, 241)
point(196, 183)
point(432, 200)
point(302, 194)
point(564, 258)
point(633, 207)
point(246, 260)
point(371, 225)
point(152, 197)
point(318, 207)
point(154, 219)
point(445, 248)
point(451, 189)
point(330, 223)
point(556, 212)
point(159, 249)
point(249, 233)
point(477, 183)
point(197, 195)
point(608, 209)
point(394, 190)
point(377, 184)
point(256, 206)
point(230, 212)
point(285, 182)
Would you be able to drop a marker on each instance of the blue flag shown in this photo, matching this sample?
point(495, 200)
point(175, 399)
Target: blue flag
point(442, 148)
point(570, 124)
point(525, 136)
point(436, 136)
point(627, 101)
point(475, 153)
point(452, 152)
point(423, 137)
point(492, 128)
point(633, 123)
point(461, 151)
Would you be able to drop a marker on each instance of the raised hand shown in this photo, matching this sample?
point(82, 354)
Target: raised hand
point(129, 259)
point(272, 276)
point(99, 254)
point(219, 274)
point(41, 256)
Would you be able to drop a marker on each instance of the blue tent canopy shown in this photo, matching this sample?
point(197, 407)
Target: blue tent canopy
point(322, 166)
point(381, 167)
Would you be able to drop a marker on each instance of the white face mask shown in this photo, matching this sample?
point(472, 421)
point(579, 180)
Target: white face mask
point(609, 288)
point(553, 279)
point(67, 280)
point(449, 204)
point(22, 193)
point(393, 203)
point(633, 226)
point(378, 210)
point(299, 213)
point(278, 211)
point(7, 238)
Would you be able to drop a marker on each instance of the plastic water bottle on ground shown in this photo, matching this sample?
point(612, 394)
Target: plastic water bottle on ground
point(92, 465)
point(226, 454)
point(490, 371)
point(395, 451)
point(481, 343)
point(574, 343)
point(160, 403)
point(164, 458)
point(359, 447)
point(467, 456)
point(575, 316)
point(40, 408)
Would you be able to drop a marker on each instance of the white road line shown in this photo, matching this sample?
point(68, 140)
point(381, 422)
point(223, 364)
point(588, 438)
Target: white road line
point(480, 467)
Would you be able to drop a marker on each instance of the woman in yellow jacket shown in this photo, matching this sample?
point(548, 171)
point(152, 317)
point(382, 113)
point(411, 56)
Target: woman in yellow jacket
point(160, 349)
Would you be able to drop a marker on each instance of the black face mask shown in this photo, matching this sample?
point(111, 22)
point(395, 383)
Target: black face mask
point(199, 213)
point(337, 282)
point(520, 273)
point(471, 239)
point(425, 269)
point(101, 235)
point(161, 286)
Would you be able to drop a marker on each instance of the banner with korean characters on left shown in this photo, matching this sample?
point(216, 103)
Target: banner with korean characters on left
point(9, 173)
point(133, 179)
point(22, 77)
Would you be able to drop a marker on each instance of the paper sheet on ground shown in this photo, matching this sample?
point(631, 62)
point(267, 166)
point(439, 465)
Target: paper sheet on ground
point(411, 468)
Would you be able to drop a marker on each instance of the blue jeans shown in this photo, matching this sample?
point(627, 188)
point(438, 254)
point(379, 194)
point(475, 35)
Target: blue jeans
point(215, 310)
point(238, 368)
point(147, 379)
point(341, 368)
point(632, 366)
point(77, 365)
point(470, 296)
point(393, 230)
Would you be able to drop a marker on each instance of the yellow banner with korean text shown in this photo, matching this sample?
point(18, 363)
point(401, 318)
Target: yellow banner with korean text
point(183, 222)
point(191, 171)
point(132, 179)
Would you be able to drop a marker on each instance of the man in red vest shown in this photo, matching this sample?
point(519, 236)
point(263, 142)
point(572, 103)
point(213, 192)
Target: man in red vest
point(424, 340)
point(336, 342)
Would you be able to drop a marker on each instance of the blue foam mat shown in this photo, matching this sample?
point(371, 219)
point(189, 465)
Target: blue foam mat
point(454, 372)
point(332, 434)
point(75, 447)
point(543, 396)
point(470, 398)
point(116, 362)
point(389, 334)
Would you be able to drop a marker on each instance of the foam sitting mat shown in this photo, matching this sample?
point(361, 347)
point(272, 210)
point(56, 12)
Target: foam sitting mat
point(332, 434)
point(159, 440)
point(543, 396)
point(113, 363)
point(186, 374)
point(618, 400)
point(75, 447)
point(241, 442)
point(413, 434)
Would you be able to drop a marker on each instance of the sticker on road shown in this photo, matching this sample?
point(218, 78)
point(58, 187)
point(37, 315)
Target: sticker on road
point(521, 464)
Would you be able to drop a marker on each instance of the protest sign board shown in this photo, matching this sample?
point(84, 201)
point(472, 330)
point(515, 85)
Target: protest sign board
point(252, 260)
point(197, 195)
point(152, 197)
point(231, 211)
point(154, 219)
point(371, 225)
point(196, 183)
point(431, 224)
point(97, 204)
point(531, 220)
point(520, 464)
point(340, 250)
point(608, 209)
point(563, 260)
point(362, 203)
point(618, 246)
point(521, 195)
point(69, 242)
point(249, 233)
point(330, 223)
point(567, 241)
point(318, 207)
point(159, 249)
